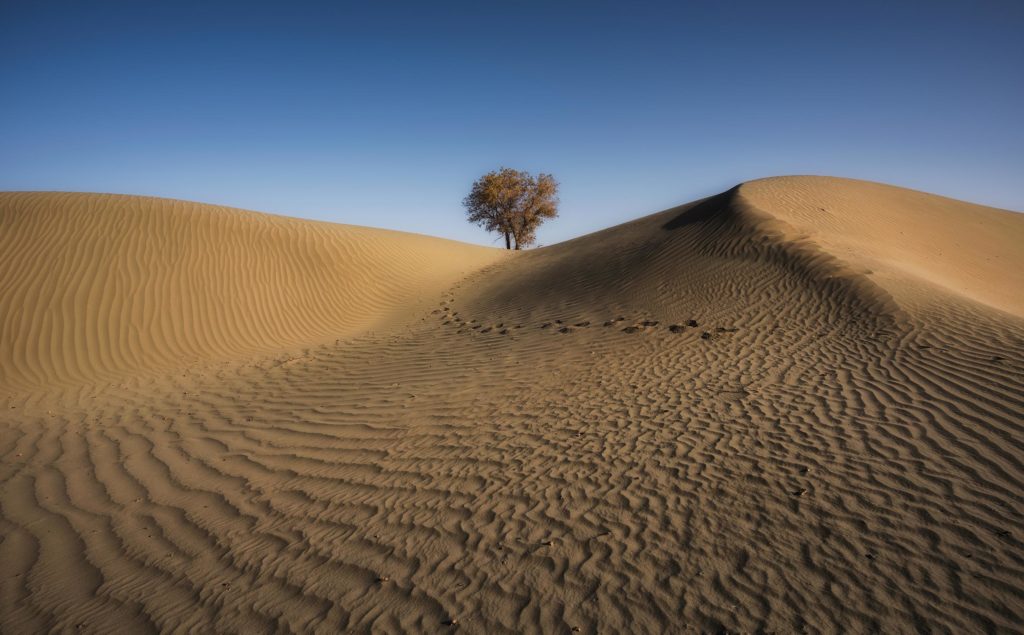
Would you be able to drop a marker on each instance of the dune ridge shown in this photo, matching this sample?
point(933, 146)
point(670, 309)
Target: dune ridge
point(738, 415)
point(906, 241)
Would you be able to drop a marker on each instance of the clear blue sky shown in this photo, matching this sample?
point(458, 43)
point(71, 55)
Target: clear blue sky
point(383, 113)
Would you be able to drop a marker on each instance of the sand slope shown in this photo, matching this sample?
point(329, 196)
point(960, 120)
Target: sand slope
point(744, 414)
point(903, 240)
point(101, 286)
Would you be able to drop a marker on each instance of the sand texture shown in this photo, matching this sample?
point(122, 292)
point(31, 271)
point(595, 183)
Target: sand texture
point(796, 406)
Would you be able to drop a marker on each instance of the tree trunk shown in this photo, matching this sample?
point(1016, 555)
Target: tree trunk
point(508, 242)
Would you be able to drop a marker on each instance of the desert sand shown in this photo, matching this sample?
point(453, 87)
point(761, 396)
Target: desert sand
point(796, 406)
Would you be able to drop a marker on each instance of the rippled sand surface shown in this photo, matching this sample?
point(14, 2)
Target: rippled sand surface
point(796, 406)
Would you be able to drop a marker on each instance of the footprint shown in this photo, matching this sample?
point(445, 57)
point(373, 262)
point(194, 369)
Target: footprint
point(582, 324)
point(631, 329)
point(677, 328)
point(691, 323)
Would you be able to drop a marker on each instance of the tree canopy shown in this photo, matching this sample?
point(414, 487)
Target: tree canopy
point(513, 204)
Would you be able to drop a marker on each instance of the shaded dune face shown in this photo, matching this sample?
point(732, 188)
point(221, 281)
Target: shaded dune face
point(760, 412)
point(100, 286)
point(719, 257)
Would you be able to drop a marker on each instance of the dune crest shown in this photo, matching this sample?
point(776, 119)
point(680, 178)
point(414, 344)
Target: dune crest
point(902, 238)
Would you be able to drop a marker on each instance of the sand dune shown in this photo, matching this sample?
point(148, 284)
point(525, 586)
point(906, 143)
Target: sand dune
point(100, 286)
point(904, 241)
point(793, 407)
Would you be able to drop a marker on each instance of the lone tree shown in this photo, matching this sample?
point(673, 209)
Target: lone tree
point(512, 203)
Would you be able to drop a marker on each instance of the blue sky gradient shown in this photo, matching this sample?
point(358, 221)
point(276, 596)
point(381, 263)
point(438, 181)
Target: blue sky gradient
point(383, 113)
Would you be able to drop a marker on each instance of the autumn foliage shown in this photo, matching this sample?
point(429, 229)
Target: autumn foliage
point(513, 204)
